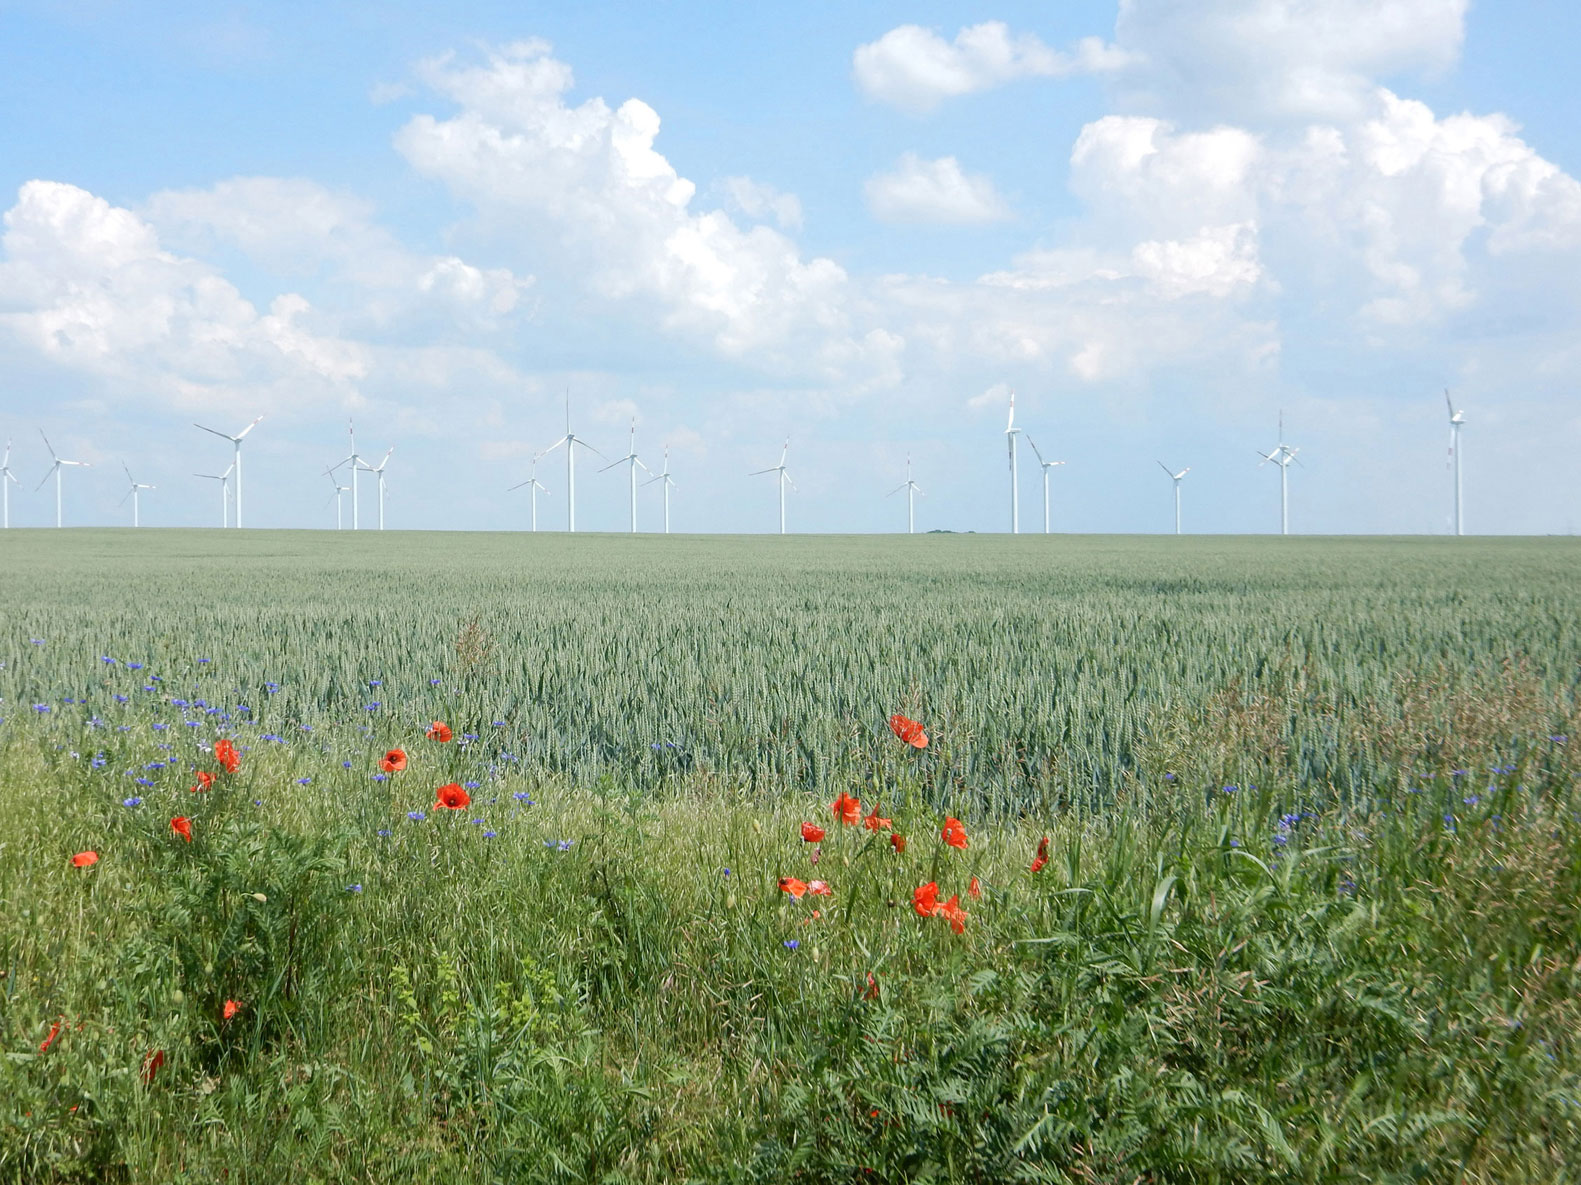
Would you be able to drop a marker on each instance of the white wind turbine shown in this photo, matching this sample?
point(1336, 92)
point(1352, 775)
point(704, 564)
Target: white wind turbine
point(1281, 455)
point(225, 491)
point(1047, 465)
point(378, 471)
point(7, 480)
point(912, 489)
point(1011, 432)
point(132, 493)
point(236, 463)
point(668, 482)
point(631, 459)
point(784, 480)
point(570, 440)
point(536, 486)
point(339, 490)
point(55, 469)
point(357, 463)
point(1456, 419)
point(1175, 477)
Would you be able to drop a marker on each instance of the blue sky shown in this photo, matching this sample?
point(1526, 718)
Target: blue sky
point(858, 227)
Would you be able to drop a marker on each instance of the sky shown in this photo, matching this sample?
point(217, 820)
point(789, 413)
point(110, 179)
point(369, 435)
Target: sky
point(1163, 224)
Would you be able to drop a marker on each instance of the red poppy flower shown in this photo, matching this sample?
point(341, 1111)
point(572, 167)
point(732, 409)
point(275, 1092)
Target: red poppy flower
point(54, 1031)
point(909, 731)
point(873, 823)
point(232, 1007)
point(925, 899)
point(182, 826)
point(1042, 857)
point(452, 797)
point(974, 890)
point(789, 884)
point(438, 731)
point(954, 833)
point(151, 1065)
point(871, 993)
point(225, 753)
point(205, 780)
point(952, 912)
point(847, 809)
point(85, 859)
point(811, 833)
point(898, 842)
point(819, 889)
point(394, 761)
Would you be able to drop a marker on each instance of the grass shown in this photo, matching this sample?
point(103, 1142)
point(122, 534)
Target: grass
point(1287, 938)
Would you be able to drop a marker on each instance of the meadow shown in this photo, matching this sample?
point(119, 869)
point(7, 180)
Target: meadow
point(1310, 908)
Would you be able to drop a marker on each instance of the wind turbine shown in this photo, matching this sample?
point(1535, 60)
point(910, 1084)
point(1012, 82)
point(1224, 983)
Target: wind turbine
point(339, 490)
point(236, 464)
point(7, 480)
point(912, 490)
point(784, 480)
point(1456, 419)
point(536, 486)
point(631, 458)
point(1047, 465)
point(1281, 455)
point(225, 491)
point(570, 440)
point(378, 470)
point(55, 469)
point(1011, 432)
point(668, 482)
point(1175, 477)
point(132, 493)
point(356, 463)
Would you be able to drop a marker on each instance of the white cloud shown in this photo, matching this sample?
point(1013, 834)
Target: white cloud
point(997, 395)
point(755, 200)
point(915, 69)
point(920, 190)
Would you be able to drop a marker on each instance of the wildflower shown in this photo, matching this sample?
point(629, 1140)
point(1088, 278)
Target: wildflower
point(925, 899)
point(470, 785)
point(791, 944)
point(304, 781)
point(871, 993)
point(54, 1031)
point(384, 832)
point(85, 859)
point(819, 889)
point(974, 890)
point(151, 1065)
point(232, 1007)
point(898, 842)
point(952, 912)
point(490, 834)
point(438, 731)
point(847, 809)
point(789, 884)
point(452, 797)
point(416, 816)
point(373, 707)
point(565, 844)
point(135, 800)
point(394, 761)
point(182, 826)
point(811, 833)
point(873, 823)
point(41, 707)
point(522, 796)
point(205, 780)
point(909, 731)
point(225, 753)
point(1042, 857)
point(381, 777)
point(356, 888)
point(954, 833)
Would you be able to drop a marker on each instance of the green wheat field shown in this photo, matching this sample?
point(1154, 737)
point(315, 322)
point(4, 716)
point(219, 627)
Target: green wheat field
point(1311, 908)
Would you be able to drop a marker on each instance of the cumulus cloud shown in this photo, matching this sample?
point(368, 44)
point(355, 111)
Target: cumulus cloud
point(758, 201)
point(918, 190)
point(915, 69)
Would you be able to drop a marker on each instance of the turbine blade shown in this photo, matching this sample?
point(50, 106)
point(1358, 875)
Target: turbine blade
point(755, 472)
point(612, 464)
point(553, 446)
point(1011, 422)
point(224, 435)
point(1450, 403)
point(46, 476)
point(125, 496)
point(1035, 452)
point(1165, 468)
point(48, 445)
point(247, 429)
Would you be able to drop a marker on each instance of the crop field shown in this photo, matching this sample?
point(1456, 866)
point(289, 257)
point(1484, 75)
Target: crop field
point(1306, 902)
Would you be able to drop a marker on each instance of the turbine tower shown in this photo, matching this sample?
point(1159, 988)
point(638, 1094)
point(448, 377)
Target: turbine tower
point(7, 480)
point(55, 469)
point(236, 463)
point(570, 440)
point(357, 464)
point(912, 489)
point(132, 493)
point(784, 480)
point(225, 491)
point(1175, 477)
point(1047, 465)
point(378, 471)
point(339, 490)
point(1011, 432)
point(668, 482)
point(536, 486)
point(1456, 419)
point(631, 459)
point(1281, 456)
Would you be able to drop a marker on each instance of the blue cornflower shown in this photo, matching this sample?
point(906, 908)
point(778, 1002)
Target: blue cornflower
point(1230, 789)
point(373, 707)
point(345, 765)
point(791, 944)
point(36, 641)
point(155, 765)
point(243, 708)
point(471, 785)
point(381, 777)
point(507, 757)
point(433, 682)
point(727, 872)
point(499, 724)
point(304, 781)
point(1235, 843)
point(521, 796)
point(271, 688)
point(41, 707)
point(134, 666)
point(205, 660)
point(475, 822)
point(1559, 739)
point(1471, 799)
point(198, 703)
point(384, 831)
point(469, 736)
point(132, 801)
point(68, 700)
point(105, 658)
point(193, 723)
point(98, 761)
point(353, 888)
point(180, 703)
point(144, 782)
point(307, 728)
point(257, 802)
point(160, 727)
point(121, 699)
point(416, 816)
point(1169, 777)
point(565, 844)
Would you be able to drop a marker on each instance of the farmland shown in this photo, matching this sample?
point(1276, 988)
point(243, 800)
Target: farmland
point(1310, 911)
